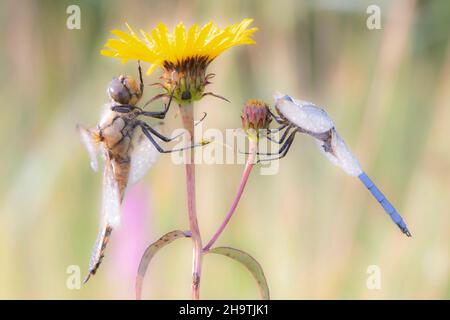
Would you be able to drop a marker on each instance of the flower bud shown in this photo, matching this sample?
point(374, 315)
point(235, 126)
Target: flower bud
point(255, 115)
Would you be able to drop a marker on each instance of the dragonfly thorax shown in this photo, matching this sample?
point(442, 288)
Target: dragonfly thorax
point(115, 131)
point(304, 115)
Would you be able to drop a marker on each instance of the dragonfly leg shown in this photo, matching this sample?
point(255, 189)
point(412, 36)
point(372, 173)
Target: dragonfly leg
point(164, 138)
point(124, 108)
point(142, 124)
point(282, 141)
point(275, 117)
point(158, 114)
point(283, 137)
point(196, 124)
point(141, 81)
point(283, 150)
point(148, 131)
point(277, 129)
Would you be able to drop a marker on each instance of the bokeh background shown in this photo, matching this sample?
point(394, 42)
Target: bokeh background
point(313, 229)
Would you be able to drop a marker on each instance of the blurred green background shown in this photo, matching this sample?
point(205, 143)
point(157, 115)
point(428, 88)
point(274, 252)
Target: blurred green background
point(313, 229)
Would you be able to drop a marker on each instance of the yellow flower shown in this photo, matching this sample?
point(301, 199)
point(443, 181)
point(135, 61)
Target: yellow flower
point(183, 56)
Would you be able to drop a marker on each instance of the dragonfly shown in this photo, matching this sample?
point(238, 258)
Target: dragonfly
point(128, 147)
point(298, 116)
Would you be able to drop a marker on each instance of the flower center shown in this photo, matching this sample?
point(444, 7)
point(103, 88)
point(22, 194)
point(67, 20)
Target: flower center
point(186, 78)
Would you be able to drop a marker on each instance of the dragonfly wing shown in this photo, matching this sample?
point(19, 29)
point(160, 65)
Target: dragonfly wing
point(99, 249)
point(339, 154)
point(303, 114)
point(90, 145)
point(111, 197)
point(317, 120)
point(387, 206)
point(143, 156)
point(110, 216)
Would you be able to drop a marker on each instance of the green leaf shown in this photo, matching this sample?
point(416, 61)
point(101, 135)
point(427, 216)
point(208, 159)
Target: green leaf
point(250, 263)
point(151, 251)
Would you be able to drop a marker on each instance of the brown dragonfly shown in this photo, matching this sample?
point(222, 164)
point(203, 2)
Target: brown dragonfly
point(129, 148)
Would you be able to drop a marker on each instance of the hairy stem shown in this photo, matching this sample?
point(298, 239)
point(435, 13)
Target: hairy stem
point(187, 115)
point(248, 168)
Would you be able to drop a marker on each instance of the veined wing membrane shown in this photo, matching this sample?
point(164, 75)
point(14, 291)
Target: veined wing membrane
point(111, 197)
point(90, 145)
point(340, 155)
point(110, 216)
point(143, 156)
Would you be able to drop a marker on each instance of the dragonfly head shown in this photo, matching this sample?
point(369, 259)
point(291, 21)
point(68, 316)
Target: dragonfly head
point(281, 98)
point(124, 90)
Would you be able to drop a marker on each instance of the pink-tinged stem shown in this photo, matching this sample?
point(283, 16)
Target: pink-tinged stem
point(187, 115)
point(248, 168)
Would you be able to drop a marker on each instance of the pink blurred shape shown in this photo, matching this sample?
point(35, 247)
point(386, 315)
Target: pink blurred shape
point(129, 241)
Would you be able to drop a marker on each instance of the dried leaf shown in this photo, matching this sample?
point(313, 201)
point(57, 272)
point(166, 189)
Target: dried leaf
point(151, 251)
point(250, 263)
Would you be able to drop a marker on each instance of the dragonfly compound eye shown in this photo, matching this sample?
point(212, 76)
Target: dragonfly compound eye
point(133, 89)
point(118, 91)
point(288, 98)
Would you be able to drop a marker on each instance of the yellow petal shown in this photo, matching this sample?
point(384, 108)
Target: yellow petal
point(191, 39)
point(180, 39)
point(152, 68)
point(203, 34)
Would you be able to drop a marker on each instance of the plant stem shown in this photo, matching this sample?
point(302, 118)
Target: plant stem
point(187, 115)
point(248, 168)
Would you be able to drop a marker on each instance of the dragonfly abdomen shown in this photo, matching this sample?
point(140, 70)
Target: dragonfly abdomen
point(121, 169)
point(99, 251)
point(387, 206)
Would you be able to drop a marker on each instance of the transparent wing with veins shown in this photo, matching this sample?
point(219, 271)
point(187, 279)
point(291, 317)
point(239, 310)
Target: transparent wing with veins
point(111, 197)
point(318, 124)
point(110, 210)
point(143, 157)
point(144, 154)
point(109, 218)
point(91, 146)
point(339, 154)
